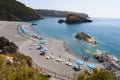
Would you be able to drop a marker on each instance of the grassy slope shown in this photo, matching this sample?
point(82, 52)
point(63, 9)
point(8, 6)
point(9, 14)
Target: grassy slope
point(19, 70)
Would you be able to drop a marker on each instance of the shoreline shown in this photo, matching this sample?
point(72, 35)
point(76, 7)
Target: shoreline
point(58, 47)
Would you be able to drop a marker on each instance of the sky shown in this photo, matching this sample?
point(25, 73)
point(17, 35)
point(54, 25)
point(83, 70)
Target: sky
point(94, 8)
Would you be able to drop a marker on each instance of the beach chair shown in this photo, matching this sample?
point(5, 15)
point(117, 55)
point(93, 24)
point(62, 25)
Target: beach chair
point(75, 66)
point(69, 63)
point(59, 59)
point(34, 44)
point(42, 53)
point(30, 48)
point(51, 57)
point(47, 57)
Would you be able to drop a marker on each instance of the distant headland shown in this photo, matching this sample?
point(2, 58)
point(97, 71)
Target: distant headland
point(20, 12)
point(57, 13)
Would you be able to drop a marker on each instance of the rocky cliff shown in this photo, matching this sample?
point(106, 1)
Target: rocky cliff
point(12, 10)
point(110, 63)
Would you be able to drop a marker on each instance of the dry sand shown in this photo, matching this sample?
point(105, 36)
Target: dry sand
point(56, 46)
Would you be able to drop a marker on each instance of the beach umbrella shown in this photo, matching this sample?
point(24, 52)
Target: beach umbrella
point(23, 29)
point(44, 49)
point(40, 44)
point(43, 40)
point(39, 35)
point(91, 66)
point(79, 62)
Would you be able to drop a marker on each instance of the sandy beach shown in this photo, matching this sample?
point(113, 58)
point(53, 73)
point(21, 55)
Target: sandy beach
point(56, 46)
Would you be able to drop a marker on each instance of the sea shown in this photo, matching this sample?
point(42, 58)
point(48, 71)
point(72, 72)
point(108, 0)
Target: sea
point(106, 32)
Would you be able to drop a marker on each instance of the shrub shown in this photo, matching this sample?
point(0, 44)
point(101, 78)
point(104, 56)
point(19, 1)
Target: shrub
point(97, 74)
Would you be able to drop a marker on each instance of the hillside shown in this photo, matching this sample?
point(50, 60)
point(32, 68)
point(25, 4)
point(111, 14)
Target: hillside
point(19, 69)
point(16, 66)
point(55, 13)
point(12, 10)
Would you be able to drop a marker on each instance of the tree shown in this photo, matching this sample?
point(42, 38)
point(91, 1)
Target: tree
point(96, 74)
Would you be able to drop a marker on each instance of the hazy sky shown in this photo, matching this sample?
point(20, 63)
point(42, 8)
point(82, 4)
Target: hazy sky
point(94, 8)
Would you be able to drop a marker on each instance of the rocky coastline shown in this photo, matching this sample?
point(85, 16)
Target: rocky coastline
point(85, 38)
point(110, 63)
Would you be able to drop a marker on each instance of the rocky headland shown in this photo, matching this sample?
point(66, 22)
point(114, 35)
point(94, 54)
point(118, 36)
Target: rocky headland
point(57, 13)
point(85, 38)
point(73, 19)
point(110, 63)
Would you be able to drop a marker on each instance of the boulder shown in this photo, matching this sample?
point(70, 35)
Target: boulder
point(72, 18)
point(60, 21)
point(6, 46)
point(86, 38)
point(101, 56)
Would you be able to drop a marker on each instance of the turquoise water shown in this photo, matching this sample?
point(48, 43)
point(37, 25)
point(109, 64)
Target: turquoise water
point(105, 31)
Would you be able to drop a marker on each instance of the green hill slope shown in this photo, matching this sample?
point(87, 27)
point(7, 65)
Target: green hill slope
point(16, 66)
point(19, 69)
point(12, 10)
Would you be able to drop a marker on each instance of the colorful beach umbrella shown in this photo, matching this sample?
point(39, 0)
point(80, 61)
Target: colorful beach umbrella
point(23, 29)
point(44, 49)
point(43, 40)
point(91, 66)
point(40, 44)
point(39, 35)
point(79, 62)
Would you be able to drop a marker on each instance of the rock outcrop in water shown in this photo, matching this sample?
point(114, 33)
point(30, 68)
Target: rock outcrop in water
point(86, 38)
point(72, 19)
point(60, 21)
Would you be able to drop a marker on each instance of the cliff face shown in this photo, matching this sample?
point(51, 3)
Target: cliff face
point(73, 18)
point(12, 10)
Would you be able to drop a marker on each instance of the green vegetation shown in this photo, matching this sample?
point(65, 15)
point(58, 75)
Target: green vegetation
point(97, 74)
point(16, 66)
point(14, 10)
point(55, 13)
point(19, 69)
